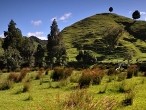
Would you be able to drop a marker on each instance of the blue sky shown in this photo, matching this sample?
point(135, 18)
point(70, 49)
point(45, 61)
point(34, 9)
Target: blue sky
point(34, 17)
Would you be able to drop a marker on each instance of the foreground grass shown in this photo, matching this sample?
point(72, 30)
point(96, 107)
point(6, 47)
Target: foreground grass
point(43, 97)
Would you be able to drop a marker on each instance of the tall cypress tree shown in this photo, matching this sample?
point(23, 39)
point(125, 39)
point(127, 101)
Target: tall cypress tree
point(13, 36)
point(12, 46)
point(55, 46)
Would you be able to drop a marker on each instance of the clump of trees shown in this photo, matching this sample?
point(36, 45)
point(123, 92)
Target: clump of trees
point(22, 51)
point(19, 51)
point(85, 57)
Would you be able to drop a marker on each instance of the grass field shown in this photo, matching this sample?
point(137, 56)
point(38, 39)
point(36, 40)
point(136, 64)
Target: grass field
point(45, 94)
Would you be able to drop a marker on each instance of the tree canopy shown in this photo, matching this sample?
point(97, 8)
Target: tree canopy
point(110, 9)
point(136, 14)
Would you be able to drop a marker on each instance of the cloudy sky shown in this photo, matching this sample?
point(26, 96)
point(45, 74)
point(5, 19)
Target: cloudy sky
point(34, 17)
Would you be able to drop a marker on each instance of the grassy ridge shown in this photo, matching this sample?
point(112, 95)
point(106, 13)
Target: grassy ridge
point(82, 34)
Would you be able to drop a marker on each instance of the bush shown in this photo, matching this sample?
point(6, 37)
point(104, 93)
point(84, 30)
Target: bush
point(78, 99)
point(13, 76)
point(111, 71)
point(26, 87)
point(122, 76)
point(22, 75)
point(82, 100)
point(90, 76)
point(128, 99)
point(125, 88)
point(39, 74)
point(5, 84)
point(132, 70)
point(75, 77)
point(61, 73)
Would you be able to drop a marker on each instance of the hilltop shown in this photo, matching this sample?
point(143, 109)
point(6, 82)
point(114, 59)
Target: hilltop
point(88, 34)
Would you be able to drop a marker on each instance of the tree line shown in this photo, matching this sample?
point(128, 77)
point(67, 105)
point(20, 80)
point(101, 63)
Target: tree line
point(20, 51)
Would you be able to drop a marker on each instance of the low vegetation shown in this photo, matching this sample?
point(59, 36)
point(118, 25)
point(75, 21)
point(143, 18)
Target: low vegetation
point(68, 88)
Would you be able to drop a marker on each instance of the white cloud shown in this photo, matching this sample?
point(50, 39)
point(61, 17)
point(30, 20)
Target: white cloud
point(39, 35)
point(2, 35)
point(36, 23)
point(53, 18)
point(143, 13)
point(65, 16)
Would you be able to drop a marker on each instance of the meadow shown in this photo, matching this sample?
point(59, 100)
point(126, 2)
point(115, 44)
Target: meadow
point(95, 88)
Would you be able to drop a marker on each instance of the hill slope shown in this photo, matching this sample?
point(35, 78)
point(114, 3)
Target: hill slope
point(88, 34)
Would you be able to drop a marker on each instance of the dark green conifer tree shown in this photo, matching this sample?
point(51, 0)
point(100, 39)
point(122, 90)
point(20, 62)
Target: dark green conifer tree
point(55, 46)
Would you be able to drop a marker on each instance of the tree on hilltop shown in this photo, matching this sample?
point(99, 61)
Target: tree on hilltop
point(136, 14)
point(110, 9)
point(13, 36)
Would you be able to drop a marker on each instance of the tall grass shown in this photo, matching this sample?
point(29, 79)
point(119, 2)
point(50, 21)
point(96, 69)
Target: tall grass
point(61, 73)
point(91, 76)
point(5, 84)
point(39, 74)
point(18, 77)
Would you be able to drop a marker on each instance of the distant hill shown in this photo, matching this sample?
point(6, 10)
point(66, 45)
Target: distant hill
point(89, 32)
point(39, 41)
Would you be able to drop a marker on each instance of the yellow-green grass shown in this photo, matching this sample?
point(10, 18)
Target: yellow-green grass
point(44, 97)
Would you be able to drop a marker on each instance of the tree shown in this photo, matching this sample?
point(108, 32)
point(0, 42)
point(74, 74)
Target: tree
point(110, 9)
point(39, 56)
point(13, 36)
point(55, 46)
point(12, 59)
point(136, 14)
point(86, 57)
point(27, 52)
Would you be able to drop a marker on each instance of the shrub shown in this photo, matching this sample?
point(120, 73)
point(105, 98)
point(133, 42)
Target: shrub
point(78, 98)
point(5, 84)
point(125, 88)
point(128, 99)
point(122, 76)
point(75, 77)
point(111, 71)
point(22, 74)
point(61, 73)
point(26, 87)
point(39, 74)
point(47, 71)
point(83, 100)
point(13, 76)
point(92, 76)
point(132, 70)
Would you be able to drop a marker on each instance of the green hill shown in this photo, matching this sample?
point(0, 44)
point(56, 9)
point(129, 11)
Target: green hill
point(88, 34)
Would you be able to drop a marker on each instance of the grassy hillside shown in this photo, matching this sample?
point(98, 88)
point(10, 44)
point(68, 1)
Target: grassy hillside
point(84, 34)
